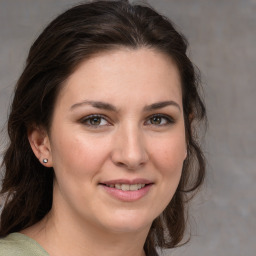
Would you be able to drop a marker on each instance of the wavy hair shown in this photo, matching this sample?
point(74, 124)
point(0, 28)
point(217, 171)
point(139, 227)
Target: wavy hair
point(76, 35)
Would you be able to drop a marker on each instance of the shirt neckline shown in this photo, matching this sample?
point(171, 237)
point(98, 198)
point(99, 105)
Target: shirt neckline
point(31, 241)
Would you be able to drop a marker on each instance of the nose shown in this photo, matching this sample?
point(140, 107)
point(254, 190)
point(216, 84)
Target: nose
point(129, 150)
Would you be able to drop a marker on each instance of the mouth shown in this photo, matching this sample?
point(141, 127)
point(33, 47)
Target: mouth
point(126, 187)
point(127, 190)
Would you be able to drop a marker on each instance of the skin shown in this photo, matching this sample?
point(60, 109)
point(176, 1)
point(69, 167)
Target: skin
point(127, 143)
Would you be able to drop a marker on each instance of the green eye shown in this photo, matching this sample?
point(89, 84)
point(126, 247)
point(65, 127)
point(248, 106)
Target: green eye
point(159, 120)
point(95, 121)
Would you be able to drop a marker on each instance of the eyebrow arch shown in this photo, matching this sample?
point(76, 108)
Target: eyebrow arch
point(110, 107)
point(161, 104)
point(95, 104)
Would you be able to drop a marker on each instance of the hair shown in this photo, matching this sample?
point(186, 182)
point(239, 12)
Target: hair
point(76, 35)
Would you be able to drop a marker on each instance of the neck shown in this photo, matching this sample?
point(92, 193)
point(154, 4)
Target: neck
point(61, 235)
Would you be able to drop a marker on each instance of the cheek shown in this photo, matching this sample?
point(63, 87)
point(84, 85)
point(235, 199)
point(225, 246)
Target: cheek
point(77, 154)
point(168, 160)
point(169, 154)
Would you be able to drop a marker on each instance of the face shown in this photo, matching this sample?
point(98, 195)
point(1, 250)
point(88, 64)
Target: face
point(117, 140)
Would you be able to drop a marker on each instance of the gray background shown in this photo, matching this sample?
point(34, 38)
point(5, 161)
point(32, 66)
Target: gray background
point(222, 36)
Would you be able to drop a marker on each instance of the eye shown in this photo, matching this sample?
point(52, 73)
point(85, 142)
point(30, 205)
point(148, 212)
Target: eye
point(94, 121)
point(159, 120)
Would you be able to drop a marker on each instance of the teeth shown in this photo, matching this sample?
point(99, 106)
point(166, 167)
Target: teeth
point(118, 186)
point(127, 187)
point(135, 187)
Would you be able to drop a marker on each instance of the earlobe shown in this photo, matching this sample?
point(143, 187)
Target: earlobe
point(185, 155)
point(186, 151)
point(40, 144)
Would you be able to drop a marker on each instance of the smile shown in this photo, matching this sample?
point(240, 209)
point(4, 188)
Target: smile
point(127, 190)
point(127, 187)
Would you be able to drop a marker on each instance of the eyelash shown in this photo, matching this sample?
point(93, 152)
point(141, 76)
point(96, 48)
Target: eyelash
point(168, 120)
point(89, 118)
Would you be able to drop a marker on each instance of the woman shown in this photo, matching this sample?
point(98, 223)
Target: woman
point(103, 150)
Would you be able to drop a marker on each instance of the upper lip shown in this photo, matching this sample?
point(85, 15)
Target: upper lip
point(127, 181)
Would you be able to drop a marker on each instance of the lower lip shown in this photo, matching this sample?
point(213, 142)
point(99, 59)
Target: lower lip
point(127, 196)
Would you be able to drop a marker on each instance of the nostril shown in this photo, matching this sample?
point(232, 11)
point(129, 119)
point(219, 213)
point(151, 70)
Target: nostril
point(120, 164)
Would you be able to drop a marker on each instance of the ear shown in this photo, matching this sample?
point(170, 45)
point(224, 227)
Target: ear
point(40, 144)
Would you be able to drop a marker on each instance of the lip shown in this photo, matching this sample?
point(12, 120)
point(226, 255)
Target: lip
point(126, 181)
point(127, 196)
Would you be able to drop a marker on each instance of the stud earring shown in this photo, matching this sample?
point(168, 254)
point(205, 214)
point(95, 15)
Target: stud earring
point(45, 160)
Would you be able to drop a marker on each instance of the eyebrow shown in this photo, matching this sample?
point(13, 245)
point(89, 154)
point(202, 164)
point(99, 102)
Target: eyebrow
point(95, 104)
point(110, 107)
point(161, 104)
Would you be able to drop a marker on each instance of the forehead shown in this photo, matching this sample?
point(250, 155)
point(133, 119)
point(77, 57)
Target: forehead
point(124, 73)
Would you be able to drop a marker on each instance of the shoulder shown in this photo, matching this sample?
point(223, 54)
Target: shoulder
point(17, 244)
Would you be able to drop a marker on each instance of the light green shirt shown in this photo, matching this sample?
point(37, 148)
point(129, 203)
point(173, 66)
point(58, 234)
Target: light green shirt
point(17, 244)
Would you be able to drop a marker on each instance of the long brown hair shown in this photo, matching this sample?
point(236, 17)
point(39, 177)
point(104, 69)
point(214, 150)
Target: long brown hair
point(73, 36)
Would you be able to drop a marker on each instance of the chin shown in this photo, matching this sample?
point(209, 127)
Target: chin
point(128, 228)
point(128, 222)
